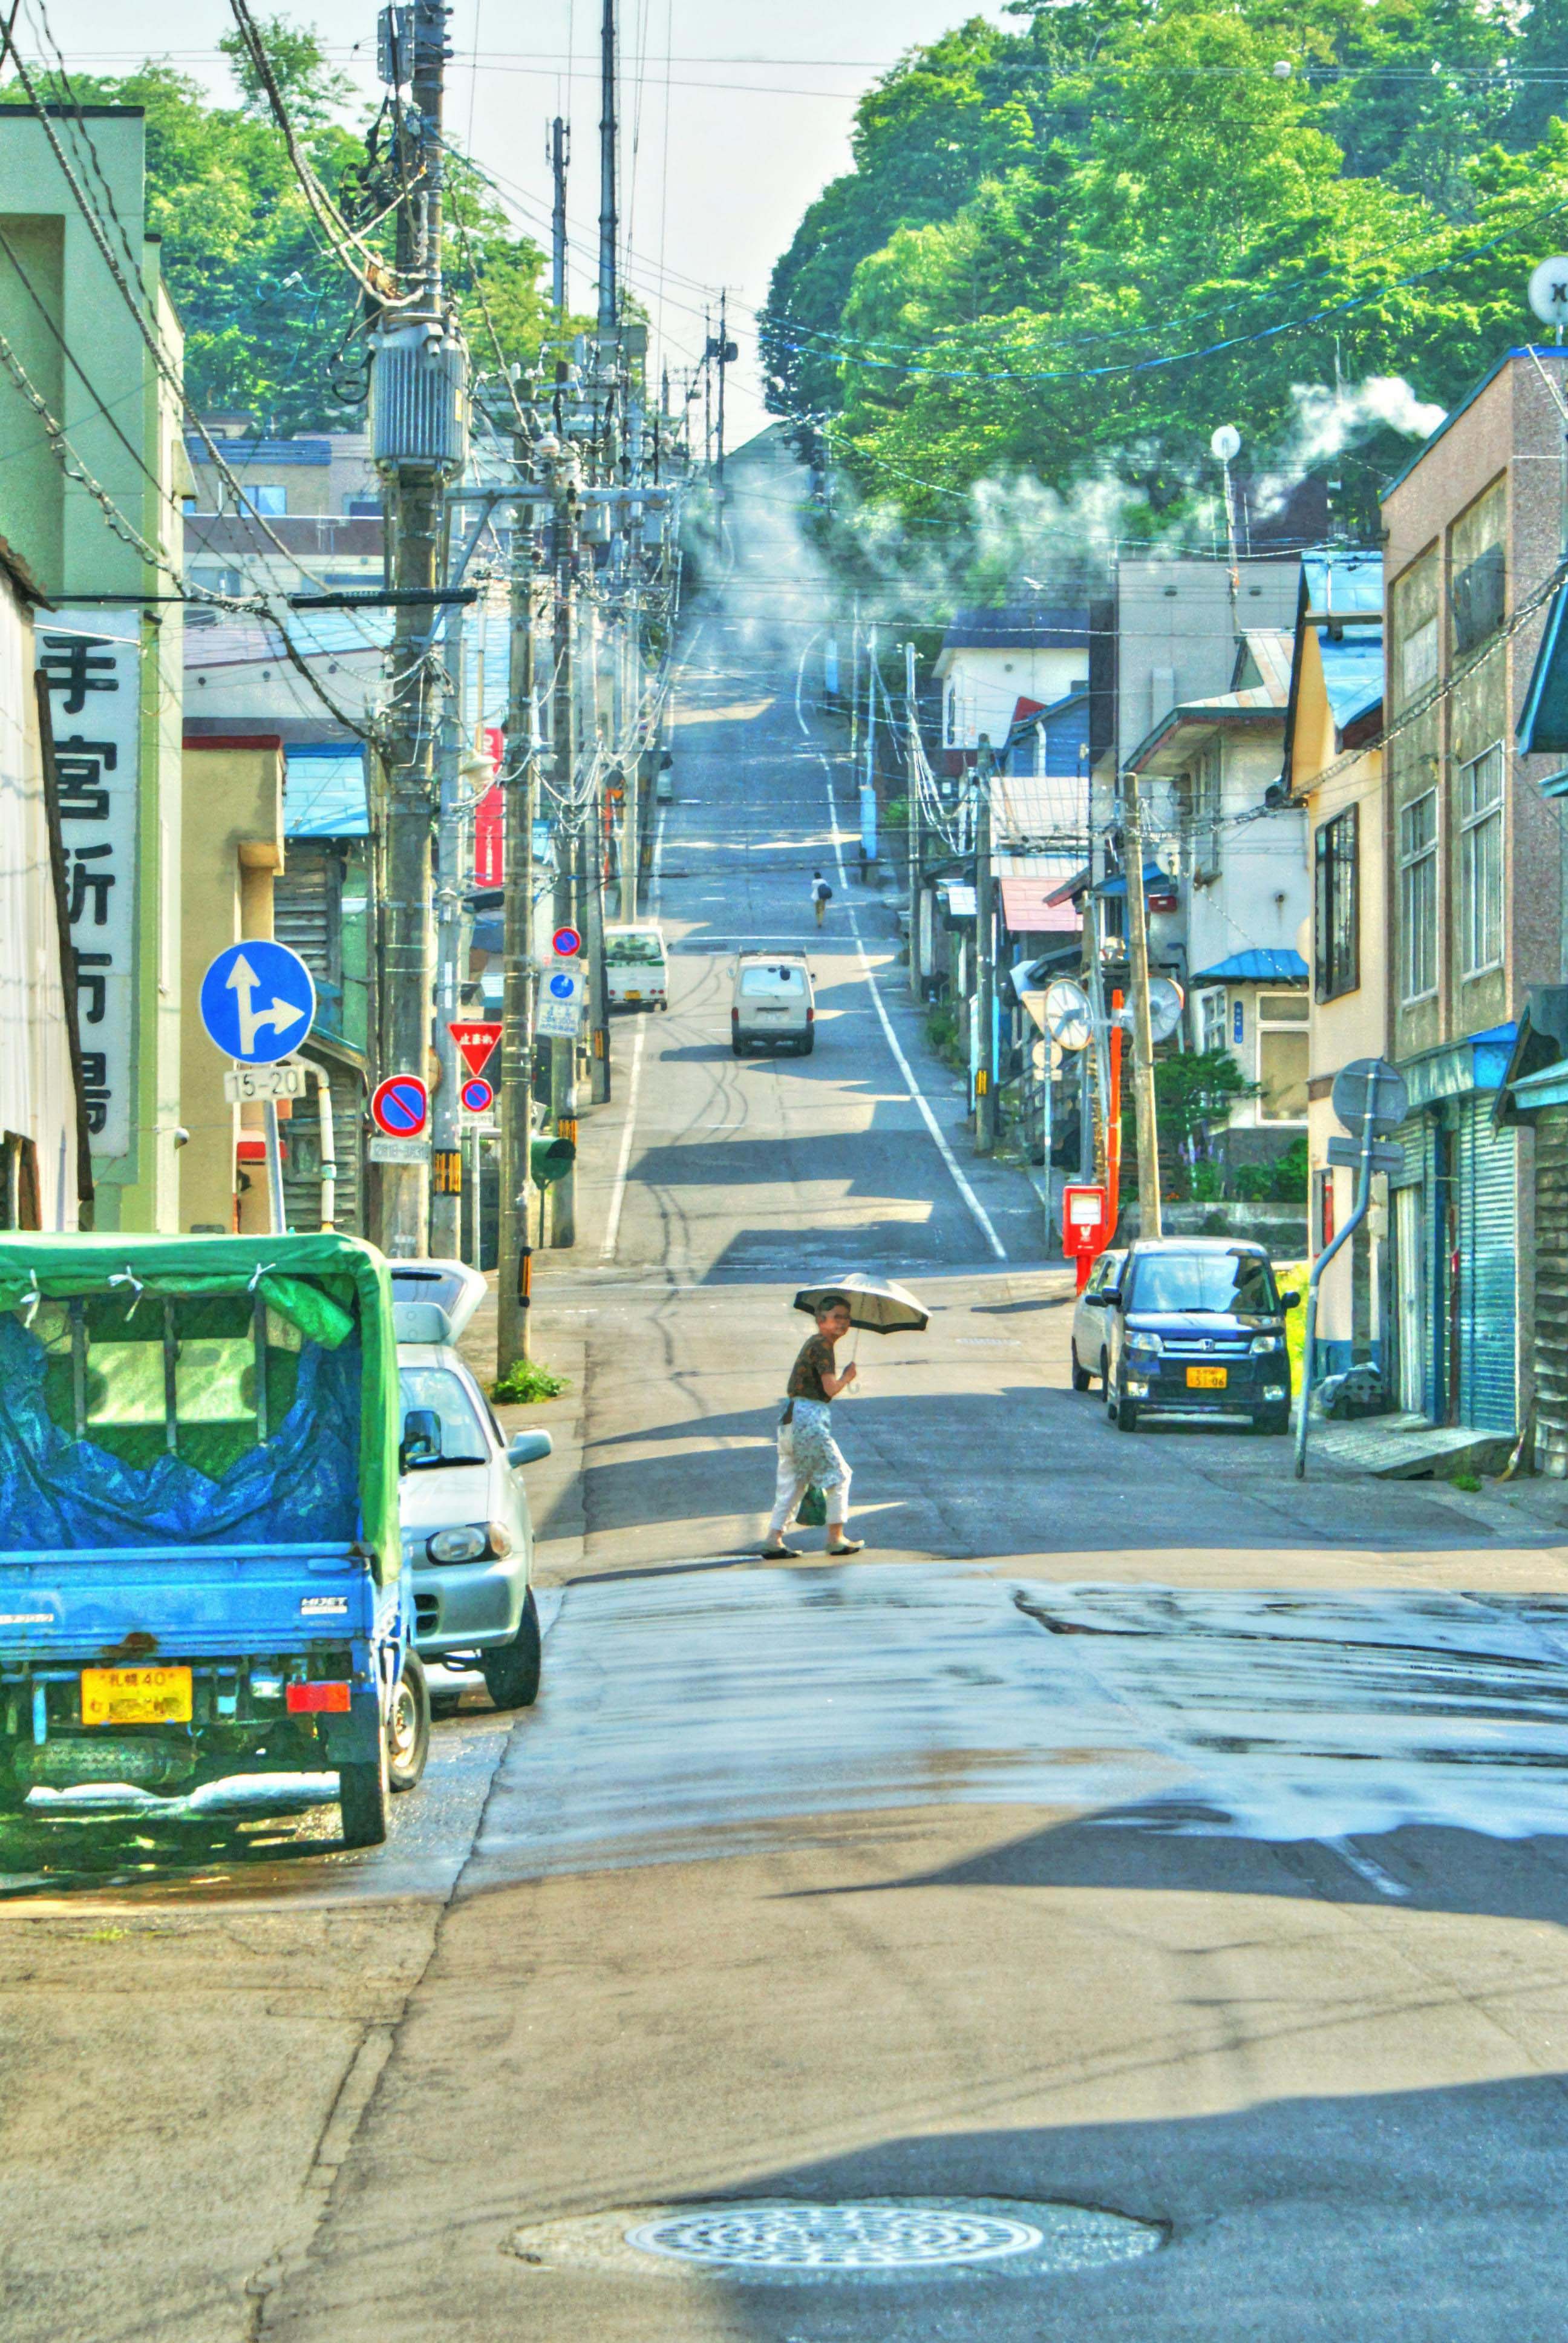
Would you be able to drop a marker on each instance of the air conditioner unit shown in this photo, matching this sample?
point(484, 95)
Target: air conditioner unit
point(419, 401)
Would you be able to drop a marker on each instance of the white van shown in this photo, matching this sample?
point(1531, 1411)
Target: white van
point(636, 971)
point(774, 1006)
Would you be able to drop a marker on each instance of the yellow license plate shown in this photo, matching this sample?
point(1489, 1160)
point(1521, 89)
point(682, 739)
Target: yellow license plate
point(136, 1695)
point(1206, 1378)
point(634, 996)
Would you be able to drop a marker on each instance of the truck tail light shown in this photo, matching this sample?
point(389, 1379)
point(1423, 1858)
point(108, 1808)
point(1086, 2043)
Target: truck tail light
point(735, 1016)
point(308, 1699)
point(810, 1016)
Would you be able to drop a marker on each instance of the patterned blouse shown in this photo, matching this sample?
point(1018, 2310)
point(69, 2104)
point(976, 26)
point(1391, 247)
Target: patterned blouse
point(816, 1360)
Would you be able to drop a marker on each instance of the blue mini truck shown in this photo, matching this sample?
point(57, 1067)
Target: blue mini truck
point(200, 1561)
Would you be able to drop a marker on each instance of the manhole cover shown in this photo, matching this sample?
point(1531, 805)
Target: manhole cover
point(780, 2240)
point(835, 2236)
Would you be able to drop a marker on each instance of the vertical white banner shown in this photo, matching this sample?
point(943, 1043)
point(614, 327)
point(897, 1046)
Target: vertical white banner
point(92, 660)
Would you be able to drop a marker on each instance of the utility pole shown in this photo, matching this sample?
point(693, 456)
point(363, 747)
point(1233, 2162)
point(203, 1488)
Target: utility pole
point(560, 149)
point(446, 1113)
point(985, 955)
point(725, 349)
point(414, 348)
point(912, 760)
point(1143, 1022)
point(563, 1195)
point(607, 205)
point(520, 797)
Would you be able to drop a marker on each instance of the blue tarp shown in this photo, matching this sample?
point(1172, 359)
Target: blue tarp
point(58, 1494)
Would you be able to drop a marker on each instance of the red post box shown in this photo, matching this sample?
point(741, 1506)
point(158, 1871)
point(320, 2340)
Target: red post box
point(1085, 1226)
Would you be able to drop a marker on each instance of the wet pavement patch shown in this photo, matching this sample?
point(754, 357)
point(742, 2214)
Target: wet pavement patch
point(774, 2239)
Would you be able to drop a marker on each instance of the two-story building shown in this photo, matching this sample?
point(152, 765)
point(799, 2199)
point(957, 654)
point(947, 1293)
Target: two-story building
point(1474, 877)
point(1333, 769)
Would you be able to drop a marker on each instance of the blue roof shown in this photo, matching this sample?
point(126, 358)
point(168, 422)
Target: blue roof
point(1342, 584)
point(1544, 724)
point(1353, 674)
point(1155, 882)
point(324, 793)
point(1255, 968)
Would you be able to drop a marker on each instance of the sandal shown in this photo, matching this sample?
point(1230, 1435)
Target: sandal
point(848, 1545)
point(779, 1552)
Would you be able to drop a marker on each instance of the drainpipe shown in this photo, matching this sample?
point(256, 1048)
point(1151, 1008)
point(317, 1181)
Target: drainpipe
point(328, 1148)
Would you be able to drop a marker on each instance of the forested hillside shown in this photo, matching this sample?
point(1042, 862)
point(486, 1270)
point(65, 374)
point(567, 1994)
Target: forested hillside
point(1074, 248)
point(269, 328)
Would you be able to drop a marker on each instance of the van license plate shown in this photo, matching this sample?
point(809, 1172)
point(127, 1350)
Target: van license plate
point(1206, 1378)
point(136, 1695)
point(634, 996)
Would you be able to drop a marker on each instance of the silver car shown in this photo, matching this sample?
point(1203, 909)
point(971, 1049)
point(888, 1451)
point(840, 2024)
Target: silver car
point(1089, 1321)
point(468, 1536)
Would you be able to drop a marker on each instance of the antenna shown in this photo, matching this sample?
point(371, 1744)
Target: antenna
point(1548, 293)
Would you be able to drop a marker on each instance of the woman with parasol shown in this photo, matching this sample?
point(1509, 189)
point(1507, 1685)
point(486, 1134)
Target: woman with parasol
point(808, 1455)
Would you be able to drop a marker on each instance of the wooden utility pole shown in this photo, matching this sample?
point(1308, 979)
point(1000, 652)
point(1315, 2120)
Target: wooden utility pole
point(563, 1194)
point(1143, 1021)
point(560, 138)
point(912, 761)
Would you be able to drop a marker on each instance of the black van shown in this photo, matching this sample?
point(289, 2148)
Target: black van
point(1194, 1328)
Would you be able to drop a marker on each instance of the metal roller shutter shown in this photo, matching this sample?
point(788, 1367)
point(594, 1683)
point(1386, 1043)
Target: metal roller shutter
point(1414, 1262)
point(1485, 1164)
point(1551, 1289)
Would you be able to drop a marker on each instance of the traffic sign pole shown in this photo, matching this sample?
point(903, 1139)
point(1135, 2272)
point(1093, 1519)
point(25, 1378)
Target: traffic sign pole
point(274, 1172)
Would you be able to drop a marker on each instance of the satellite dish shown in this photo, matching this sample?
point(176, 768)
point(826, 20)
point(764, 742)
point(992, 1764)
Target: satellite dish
point(1067, 1017)
point(1226, 443)
point(1549, 292)
point(1166, 1002)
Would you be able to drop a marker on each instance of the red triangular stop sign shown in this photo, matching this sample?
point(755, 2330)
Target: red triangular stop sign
point(476, 1043)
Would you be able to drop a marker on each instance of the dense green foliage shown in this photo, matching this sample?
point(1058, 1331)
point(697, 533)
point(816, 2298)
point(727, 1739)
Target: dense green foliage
point(273, 322)
point(1122, 180)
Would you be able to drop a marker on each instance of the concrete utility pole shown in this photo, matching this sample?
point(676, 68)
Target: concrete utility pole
point(445, 1111)
point(606, 203)
point(912, 758)
point(515, 1283)
point(725, 348)
point(563, 1195)
point(560, 149)
point(1143, 1021)
point(414, 516)
point(985, 956)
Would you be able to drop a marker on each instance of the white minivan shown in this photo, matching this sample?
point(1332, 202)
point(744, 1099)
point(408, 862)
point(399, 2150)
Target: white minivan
point(636, 971)
point(774, 1006)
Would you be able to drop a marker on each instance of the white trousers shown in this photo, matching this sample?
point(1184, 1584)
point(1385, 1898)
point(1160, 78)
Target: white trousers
point(795, 1475)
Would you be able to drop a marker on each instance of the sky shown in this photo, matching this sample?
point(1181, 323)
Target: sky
point(734, 115)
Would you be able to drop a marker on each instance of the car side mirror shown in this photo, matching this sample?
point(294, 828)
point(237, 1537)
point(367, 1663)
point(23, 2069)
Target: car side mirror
point(1095, 1301)
point(665, 761)
point(1111, 1293)
point(527, 1448)
point(1291, 1301)
point(421, 1442)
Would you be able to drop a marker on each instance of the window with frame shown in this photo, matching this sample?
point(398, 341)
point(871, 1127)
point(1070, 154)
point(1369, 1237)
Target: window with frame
point(1206, 803)
point(1336, 923)
point(1282, 1045)
point(1481, 818)
point(1212, 1021)
point(1418, 897)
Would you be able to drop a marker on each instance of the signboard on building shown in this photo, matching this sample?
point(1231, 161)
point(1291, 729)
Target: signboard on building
point(91, 662)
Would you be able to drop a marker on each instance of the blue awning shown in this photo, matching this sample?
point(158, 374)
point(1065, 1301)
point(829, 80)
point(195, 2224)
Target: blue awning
point(1544, 724)
point(324, 793)
point(1155, 882)
point(1255, 968)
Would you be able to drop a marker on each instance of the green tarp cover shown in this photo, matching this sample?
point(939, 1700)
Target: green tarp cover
point(296, 1276)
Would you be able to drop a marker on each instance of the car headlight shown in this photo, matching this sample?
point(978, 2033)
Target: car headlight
point(459, 1545)
point(1144, 1346)
point(1263, 1343)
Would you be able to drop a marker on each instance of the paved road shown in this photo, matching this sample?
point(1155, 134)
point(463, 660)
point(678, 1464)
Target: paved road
point(1128, 1830)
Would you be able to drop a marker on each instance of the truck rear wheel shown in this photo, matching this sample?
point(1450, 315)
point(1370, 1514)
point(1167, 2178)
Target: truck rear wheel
point(363, 1798)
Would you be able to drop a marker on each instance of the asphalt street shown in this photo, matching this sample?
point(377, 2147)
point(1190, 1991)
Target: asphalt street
point(1127, 1901)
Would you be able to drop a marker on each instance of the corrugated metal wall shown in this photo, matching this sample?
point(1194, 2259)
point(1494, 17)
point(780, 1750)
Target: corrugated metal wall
point(1485, 1169)
point(1550, 1266)
point(302, 1169)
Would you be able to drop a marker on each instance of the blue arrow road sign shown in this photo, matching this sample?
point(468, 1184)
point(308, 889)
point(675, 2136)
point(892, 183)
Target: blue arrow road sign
point(258, 1001)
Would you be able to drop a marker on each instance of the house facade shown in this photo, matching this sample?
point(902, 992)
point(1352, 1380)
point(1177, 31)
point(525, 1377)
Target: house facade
point(1474, 883)
point(1333, 769)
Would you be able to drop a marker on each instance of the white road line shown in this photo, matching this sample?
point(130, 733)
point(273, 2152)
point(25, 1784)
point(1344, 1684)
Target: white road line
point(617, 1197)
point(908, 1071)
point(1367, 1868)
